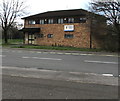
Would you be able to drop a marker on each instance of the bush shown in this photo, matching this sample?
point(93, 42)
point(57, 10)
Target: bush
point(111, 43)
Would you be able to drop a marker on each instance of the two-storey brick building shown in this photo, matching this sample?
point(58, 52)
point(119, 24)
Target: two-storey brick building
point(64, 28)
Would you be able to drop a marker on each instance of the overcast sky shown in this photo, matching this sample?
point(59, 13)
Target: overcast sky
point(39, 6)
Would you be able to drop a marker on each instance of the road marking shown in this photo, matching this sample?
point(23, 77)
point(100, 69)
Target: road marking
point(60, 53)
point(41, 58)
point(39, 52)
point(107, 74)
point(52, 52)
point(45, 52)
point(86, 54)
point(104, 62)
point(77, 73)
point(68, 53)
point(2, 55)
point(75, 54)
point(109, 55)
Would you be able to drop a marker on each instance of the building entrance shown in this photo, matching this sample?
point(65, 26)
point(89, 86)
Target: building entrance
point(31, 38)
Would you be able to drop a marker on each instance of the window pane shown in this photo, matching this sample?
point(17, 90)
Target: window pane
point(82, 20)
point(31, 22)
point(50, 21)
point(68, 35)
point(70, 20)
point(40, 35)
point(50, 35)
point(60, 21)
point(41, 21)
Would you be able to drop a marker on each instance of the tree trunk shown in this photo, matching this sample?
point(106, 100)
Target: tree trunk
point(5, 36)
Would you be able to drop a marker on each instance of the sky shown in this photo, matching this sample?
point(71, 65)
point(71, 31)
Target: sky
point(40, 6)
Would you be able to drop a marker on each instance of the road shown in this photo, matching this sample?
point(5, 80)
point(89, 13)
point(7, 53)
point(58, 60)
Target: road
point(106, 65)
point(31, 74)
point(36, 88)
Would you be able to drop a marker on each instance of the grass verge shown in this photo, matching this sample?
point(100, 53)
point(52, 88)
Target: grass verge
point(18, 43)
point(56, 48)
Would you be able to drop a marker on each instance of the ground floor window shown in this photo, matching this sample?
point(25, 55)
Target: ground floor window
point(50, 35)
point(40, 35)
point(31, 38)
point(68, 36)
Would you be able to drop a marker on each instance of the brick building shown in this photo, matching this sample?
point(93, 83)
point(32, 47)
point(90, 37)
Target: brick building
point(64, 28)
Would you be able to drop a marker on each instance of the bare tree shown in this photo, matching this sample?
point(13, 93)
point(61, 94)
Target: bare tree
point(110, 9)
point(9, 11)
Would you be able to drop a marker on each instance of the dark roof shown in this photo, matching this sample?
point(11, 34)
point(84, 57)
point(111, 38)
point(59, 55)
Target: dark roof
point(59, 13)
point(31, 30)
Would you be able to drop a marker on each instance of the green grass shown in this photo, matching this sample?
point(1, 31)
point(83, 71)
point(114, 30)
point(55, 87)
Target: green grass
point(13, 41)
point(56, 48)
point(18, 43)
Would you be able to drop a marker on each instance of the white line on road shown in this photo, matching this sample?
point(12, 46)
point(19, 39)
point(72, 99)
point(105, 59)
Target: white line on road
point(104, 62)
point(60, 53)
point(52, 52)
point(2, 55)
point(39, 52)
point(107, 74)
point(86, 54)
point(41, 58)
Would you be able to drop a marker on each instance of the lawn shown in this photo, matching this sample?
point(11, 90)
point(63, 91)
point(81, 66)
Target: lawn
point(18, 43)
point(56, 48)
point(13, 41)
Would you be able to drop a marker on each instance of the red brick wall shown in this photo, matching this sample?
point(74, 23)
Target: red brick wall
point(81, 35)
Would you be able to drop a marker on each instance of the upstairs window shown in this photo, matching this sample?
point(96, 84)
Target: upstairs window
point(70, 20)
point(50, 21)
point(31, 22)
point(37, 22)
point(60, 21)
point(42, 21)
point(83, 20)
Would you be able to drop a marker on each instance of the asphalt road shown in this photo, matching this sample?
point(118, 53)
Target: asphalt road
point(85, 63)
point(30, 74)
point(36, 88)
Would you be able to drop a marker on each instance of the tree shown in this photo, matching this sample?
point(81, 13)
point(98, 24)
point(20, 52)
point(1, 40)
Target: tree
point(111, 10)
point(9, 11)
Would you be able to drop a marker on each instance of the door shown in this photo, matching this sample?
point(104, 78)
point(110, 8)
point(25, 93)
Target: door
point(31, 38)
